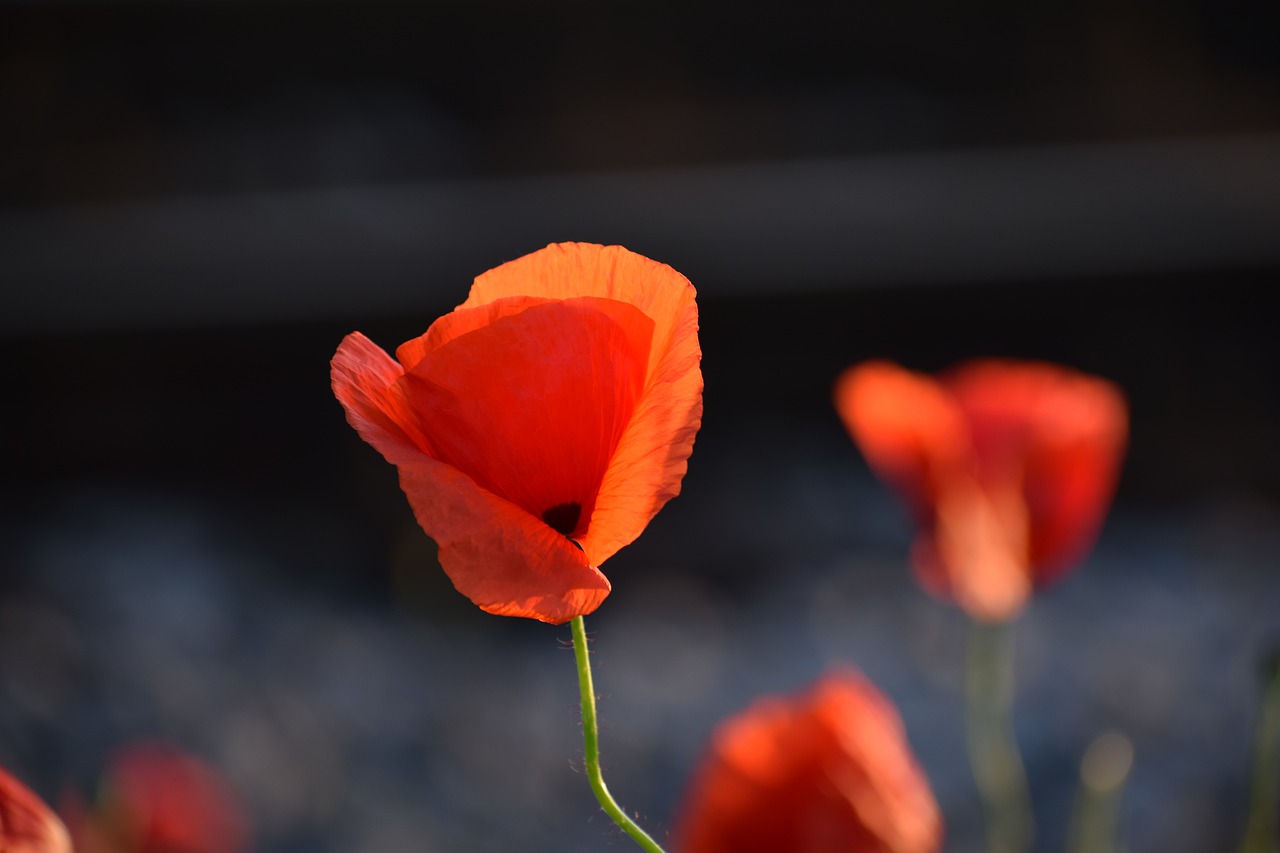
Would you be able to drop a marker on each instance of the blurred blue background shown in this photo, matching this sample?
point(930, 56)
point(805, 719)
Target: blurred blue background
point(199, 198)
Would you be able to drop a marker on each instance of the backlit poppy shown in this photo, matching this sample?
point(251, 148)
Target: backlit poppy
point(27, 825)
point(541, 425)
point(158, 799)
point(1008, 467)
point(827, 771)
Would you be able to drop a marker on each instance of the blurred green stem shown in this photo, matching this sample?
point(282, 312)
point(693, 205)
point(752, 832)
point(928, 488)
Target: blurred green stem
point(1260, 834)
point(1104, 771)
point(591, 740)
point(993, 750)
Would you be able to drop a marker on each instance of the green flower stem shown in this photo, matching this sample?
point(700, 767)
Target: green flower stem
point(591, 740)
point(1260, 834)
point(993, 750)
point(1104, 771)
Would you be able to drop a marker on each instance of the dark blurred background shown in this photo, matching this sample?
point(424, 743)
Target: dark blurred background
point(199, 198)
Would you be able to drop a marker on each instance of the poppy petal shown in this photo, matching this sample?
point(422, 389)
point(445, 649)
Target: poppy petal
point(27, 825)
point(909, 429)
point(365, 381)
point(498, 555)
point(458, 323)
point(1066, 433)
point(505, 560)
point(169, 800)
point(566, 270)
point(826, 771)
point(652, 456)
point(532, 405)
point(975, 553)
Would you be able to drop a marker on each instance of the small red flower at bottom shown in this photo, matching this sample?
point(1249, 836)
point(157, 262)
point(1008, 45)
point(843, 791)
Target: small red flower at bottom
point(1007, 466)
point(828, 771)
point(27, 825)
point(157, 799)
point(539, 426)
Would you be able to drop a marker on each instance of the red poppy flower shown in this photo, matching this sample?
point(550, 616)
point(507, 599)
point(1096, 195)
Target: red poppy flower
point(157, 799)
point(541, 425)
point(828, 771)
point(1009, 468)
point(27, 825)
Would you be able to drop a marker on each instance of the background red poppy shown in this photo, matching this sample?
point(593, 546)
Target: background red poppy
point(27, 824)
point(828, 770)
point(1007, 466)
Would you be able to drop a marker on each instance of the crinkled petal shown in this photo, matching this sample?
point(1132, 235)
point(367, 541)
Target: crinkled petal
point(365, 381)
point(533, 405)
point(458, 323)
point(652, 456)
point(566, 270)
point(505, 560)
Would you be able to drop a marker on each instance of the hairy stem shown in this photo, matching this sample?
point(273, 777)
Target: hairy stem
point(591, 741)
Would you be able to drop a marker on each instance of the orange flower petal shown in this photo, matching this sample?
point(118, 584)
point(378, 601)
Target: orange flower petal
point(27, 825)
point(910, 430)
point(365, 381)
point(505, 560)
point(1063, 432)
point(828, 771)
point(460, 322)
point(533, 405)
point(652, 454)
point(976, 550)
point(566, 270)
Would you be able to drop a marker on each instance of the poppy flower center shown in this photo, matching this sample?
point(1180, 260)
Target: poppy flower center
point(563, 518)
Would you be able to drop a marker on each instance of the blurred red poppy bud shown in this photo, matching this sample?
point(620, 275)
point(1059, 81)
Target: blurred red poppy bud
point(27, 825)
point(157, 799)
point(827, 771)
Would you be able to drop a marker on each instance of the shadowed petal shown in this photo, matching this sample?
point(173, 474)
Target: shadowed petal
point(505, 560)
point(365, 381)
point(532, 405)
